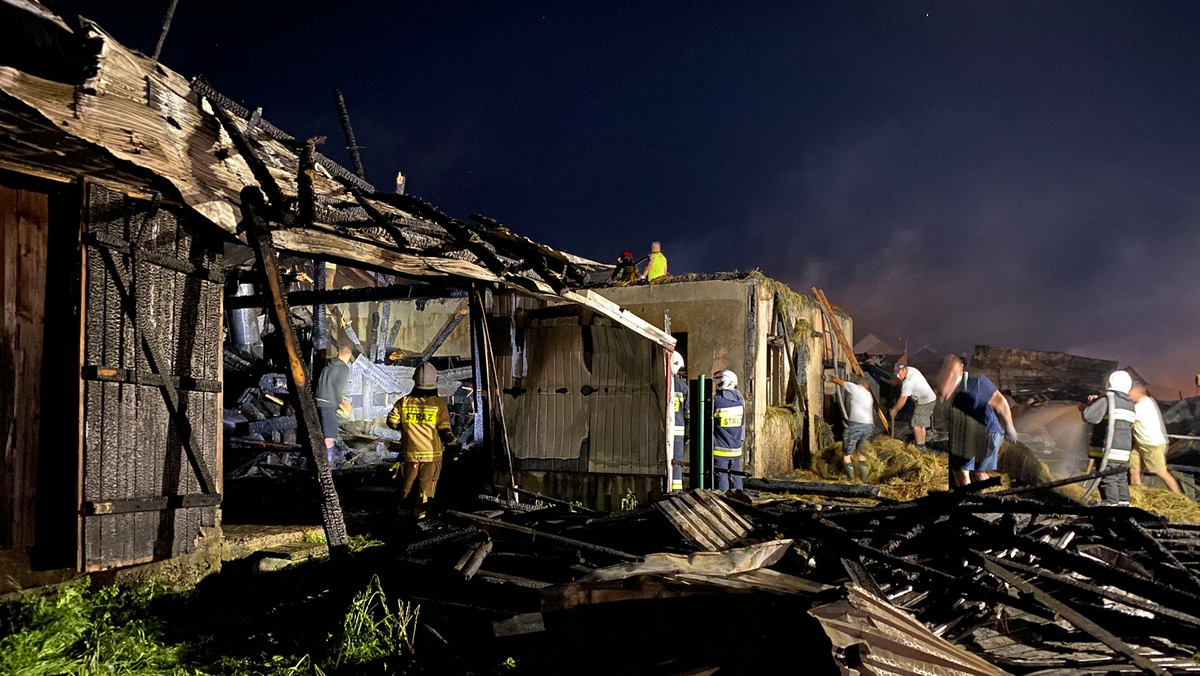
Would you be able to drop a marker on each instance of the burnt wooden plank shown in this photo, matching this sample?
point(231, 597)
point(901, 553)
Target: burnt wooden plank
point(309, 431)
point(1072, 615)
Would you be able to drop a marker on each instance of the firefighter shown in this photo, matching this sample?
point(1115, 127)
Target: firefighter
point(1112, 416)
point(423, 420)
point(681, 404)
point(728, 407)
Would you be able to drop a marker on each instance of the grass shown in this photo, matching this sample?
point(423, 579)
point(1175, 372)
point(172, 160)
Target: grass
point(77, 631)
point(372, 632)
point(117, 632)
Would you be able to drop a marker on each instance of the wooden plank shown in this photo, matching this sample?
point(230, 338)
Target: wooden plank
point(346, 250)
point(309, 431)
point(1073, 616)
point(851, 360)
point(130, 505)
point(9, 205)
point(699, 534)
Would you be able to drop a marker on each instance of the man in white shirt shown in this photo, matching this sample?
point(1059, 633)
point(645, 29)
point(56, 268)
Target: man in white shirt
point(1149, 440)
point(860, 423)
point(913, 384)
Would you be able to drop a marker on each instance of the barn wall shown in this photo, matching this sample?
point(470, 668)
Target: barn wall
point(24, 224)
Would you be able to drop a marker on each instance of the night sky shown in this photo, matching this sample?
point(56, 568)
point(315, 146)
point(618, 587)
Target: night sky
point(1021, 174)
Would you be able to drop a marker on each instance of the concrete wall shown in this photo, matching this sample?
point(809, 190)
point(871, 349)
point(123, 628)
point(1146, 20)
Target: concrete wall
point(712, 313)
point(730, 324)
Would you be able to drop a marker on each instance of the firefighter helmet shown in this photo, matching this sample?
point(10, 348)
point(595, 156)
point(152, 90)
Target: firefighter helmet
point(725, 380)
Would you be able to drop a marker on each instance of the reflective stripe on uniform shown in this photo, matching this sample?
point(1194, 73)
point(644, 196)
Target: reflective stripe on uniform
point(678, 431)
point(1114, 454)
point(1123, 414)
point(727, 452)
point(677, 485)
point(417, 414)
point(729, 417)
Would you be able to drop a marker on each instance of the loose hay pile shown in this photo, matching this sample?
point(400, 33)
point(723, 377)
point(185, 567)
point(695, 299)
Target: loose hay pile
point(905, 473)
point(1176, 507)
point(900, 470)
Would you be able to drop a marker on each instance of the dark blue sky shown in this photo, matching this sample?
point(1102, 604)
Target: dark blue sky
point(1011, 173)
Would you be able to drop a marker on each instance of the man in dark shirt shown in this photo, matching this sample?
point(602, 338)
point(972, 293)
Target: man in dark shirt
point(980, 419)
point(331, 388)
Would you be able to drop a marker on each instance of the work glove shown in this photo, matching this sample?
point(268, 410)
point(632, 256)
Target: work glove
point(1010, 432)
point(395, 469)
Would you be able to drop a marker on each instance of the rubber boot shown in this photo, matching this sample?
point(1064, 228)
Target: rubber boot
point(862, 470)
point(849, 467)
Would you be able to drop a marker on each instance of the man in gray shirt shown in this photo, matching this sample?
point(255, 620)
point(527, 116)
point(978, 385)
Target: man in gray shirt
point(330, 395)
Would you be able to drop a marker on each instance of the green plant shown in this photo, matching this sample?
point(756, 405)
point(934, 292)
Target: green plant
point(74, 631)
point(372, 631)
point(629, 502)
point(361, 542)
point(314, 537)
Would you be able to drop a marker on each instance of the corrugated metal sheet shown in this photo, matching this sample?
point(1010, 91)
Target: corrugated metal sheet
point(704, 519)
point(626, 433)
point(890, 641)
point(588, 395)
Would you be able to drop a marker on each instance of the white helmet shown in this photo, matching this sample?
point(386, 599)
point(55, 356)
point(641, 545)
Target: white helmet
point(1120, 381)
point(725, 380)
point(676, 362)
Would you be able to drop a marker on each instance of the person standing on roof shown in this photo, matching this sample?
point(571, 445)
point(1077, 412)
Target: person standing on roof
point(423, 420)
point(681, 404)
point(980, 419)
point(728, 430)
point(860, 405)
point(913, 384)
point(1149, 440)
point(626, 270)
point(1112, 415)
point(330, 395)
point(657, 267)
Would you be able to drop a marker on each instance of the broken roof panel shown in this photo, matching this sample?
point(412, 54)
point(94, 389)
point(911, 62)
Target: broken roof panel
point(127, 116)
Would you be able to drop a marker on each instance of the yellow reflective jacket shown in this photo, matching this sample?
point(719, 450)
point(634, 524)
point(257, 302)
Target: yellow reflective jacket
point(424, 424)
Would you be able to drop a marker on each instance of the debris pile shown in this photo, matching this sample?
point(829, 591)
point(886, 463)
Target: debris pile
point(1019, 581)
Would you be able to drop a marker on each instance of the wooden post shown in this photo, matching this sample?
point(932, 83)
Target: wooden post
point(308, 423)
point(348, 131)
point(851, 360)
point(162, 33)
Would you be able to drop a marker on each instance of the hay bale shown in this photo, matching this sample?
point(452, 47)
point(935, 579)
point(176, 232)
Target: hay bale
point(782, 428)
point(1177, 508)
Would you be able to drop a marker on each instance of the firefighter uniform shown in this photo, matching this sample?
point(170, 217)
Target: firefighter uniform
point(681, 403)
point(728, 408)
point(1115, 406)
point(424, 424)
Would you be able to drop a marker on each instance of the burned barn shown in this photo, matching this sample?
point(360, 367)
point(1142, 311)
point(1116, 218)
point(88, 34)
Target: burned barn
point(780, 343)
point(173, 261)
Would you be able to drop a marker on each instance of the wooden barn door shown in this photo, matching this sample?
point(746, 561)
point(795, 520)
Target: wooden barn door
point(24, 220)
point(151, 326)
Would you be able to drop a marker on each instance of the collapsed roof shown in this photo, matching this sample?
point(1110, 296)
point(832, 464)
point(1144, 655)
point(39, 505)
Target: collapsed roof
point(75, 103)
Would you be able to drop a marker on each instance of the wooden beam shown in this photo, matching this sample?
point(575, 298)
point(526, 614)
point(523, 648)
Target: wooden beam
point(620, 315)
point(308, 422)
point(448, 328)
point(845, 345)
point(335, 247)
point(1073, 616)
